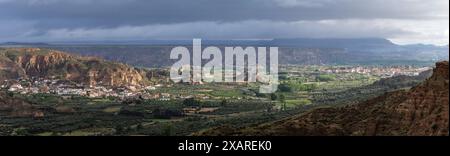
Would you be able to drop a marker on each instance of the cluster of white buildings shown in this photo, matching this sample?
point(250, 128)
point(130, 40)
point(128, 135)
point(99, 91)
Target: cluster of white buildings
point(56, 87)
point(68, 89)
point(383, 72)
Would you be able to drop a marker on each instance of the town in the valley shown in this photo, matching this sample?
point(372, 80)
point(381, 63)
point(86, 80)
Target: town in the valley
point(65, 88)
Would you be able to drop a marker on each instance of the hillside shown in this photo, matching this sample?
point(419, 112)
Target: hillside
point(17, 107)
point(43, 63)
point(420, 111)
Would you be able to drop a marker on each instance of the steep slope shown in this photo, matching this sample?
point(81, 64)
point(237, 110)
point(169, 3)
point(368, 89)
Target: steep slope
point(9, 69)
point(44, 63)
point(420, 111)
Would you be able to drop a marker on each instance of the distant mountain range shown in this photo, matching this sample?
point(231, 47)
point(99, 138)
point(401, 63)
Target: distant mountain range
point(23, 44)
point(280, 42)
point(155, 53)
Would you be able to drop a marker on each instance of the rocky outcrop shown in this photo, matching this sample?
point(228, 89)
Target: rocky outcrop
point(9, 69)
point(420, 111)
point(44, 63)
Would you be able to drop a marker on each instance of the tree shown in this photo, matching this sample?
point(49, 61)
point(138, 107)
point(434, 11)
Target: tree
point(190, 102)
point(10, 94)
point(282, 99)
point(258, 94)
point(285, 88)
point(20, 132)
point(139, 127)
point(273, 97)
point(167, 131)
point(223, 103)
point(119, 129)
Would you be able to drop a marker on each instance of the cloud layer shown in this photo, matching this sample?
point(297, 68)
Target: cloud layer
point(404, 21)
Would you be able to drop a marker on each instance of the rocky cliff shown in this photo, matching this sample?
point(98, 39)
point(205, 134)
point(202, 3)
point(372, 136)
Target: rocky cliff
point(420, 111)
point(44, 63)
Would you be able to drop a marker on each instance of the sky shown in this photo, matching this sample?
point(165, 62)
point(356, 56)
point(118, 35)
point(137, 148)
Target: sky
point(401, 21)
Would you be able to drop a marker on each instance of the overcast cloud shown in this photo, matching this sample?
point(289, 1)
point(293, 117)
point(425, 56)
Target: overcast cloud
point(403, 21)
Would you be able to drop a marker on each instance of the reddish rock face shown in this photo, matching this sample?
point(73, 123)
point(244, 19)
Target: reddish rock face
point(427, 105)
point(9, 69)
point(35, 62)
point(420, 111)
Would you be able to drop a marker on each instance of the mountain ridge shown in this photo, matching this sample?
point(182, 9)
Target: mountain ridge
point(304, 42)
point(299, 51)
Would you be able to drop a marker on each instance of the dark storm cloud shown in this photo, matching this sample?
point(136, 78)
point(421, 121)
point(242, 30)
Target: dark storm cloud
point(112, 13)
point(130, 19)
